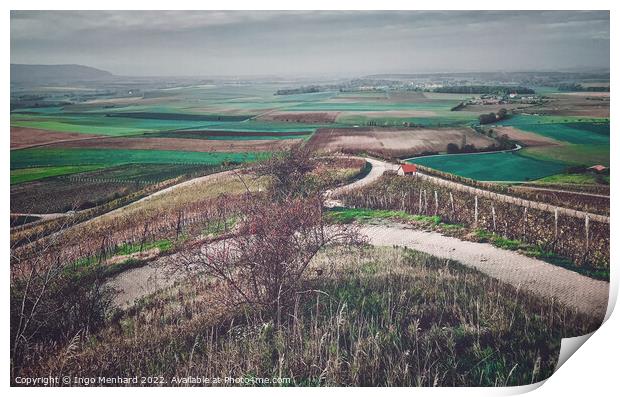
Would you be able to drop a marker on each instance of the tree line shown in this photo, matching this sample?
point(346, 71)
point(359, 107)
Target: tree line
point(484, 89)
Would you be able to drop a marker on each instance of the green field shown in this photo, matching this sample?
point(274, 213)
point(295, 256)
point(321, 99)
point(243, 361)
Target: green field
point(97, 124)
point(225, 112)
point(501, 166)
point(33, 174)
point(567, 129)
point(571, 154)
point(54, 157)
point(577, 179)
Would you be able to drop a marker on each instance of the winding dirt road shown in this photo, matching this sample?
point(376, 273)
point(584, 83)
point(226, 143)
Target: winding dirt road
point(567, 287)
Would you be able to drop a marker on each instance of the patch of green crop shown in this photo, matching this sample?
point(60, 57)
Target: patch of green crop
point(127, 249)
point(500, 166)
point(32, 174)
point(570, 154)
point(48, 157)
point(576, 133)
point(578, 179)
point(348, 215)
point(216, 228)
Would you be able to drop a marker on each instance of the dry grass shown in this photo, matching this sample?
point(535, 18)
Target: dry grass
point(370, 317)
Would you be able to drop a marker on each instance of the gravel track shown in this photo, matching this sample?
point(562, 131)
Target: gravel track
point(582, 293)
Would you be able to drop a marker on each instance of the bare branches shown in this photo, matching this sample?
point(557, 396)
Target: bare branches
point(273, 246)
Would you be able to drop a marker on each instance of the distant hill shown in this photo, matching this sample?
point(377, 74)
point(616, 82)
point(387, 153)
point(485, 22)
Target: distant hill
point(21, 73)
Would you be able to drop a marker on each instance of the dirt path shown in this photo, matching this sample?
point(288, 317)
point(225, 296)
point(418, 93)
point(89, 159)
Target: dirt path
point(564, 286)
point(582, 293)
point(53, 215)
point(134, 284)
point(378, 168)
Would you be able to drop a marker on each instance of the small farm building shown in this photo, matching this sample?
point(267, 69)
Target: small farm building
point(407, 169)
point(597, 168)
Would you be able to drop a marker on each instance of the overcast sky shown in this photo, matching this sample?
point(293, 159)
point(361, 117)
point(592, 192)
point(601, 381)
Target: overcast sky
point(202, 43)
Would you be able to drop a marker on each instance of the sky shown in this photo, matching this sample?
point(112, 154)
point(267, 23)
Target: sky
point(311, 43)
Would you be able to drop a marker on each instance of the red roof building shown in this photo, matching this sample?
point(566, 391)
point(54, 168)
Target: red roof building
point(407, 169)
point(598, 168)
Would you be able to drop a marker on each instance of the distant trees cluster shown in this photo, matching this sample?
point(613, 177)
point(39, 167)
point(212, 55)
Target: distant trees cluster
point(493, 117)
point(453, 148)
point(503, 143)
point(484, 89)
point(300, 90)
point(579, 87)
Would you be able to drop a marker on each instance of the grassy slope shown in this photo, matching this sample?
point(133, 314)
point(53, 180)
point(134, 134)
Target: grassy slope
point(383, 317)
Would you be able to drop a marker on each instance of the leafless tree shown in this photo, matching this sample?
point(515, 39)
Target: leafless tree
point(290, 173)
point(263, 263)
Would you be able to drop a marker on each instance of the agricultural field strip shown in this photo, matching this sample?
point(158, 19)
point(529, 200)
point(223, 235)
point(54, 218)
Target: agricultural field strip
point(58, 141)
point(582, 293)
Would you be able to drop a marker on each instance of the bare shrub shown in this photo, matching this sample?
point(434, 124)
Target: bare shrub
point(50, 304)
point(264, 261)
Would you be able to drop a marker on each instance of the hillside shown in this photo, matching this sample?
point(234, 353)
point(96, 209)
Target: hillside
point(21, 73)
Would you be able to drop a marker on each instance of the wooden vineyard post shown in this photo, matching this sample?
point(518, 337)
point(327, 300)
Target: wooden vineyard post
point(587, 232)
point(555, 214)
point(476, 210)
point(179, 217)
point(420, 203)
point(524, 222)
point(493, 213)
point(102, 251)
point(452, 204)
point(143, 240)
point(436, 203)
